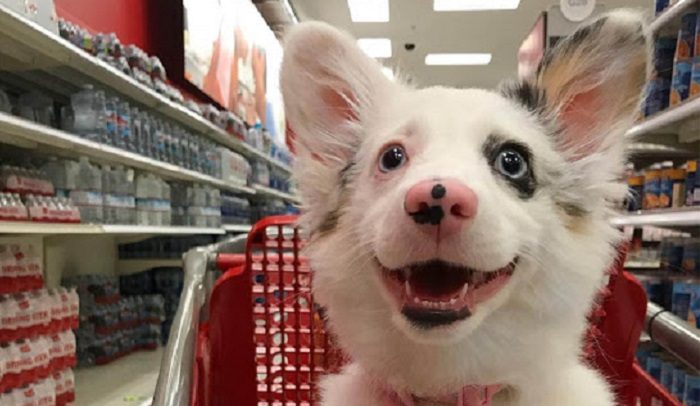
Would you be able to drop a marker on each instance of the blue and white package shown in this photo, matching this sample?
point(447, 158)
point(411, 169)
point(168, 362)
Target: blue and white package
point(653, 366)
point(678, 386)
point(691, 395)
point(686, 301)
point(667, 368)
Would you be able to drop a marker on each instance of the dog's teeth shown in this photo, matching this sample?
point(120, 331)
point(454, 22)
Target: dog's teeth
point(407, 287)
point(463, 293)
point(453, 301)
point(416, 300)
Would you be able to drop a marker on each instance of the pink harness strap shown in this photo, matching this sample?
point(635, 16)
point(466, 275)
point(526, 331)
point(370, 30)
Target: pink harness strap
point(471, 395)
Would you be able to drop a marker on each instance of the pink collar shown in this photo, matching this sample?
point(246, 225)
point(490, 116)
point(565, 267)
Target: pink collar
point(471, 395)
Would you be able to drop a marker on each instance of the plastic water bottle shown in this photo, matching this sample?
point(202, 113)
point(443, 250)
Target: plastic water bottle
point(111, 122)
point(86, 116)
point(124, 126)
point(128, 198)
point(88, 194)
point(136, 131)
point(109, 198)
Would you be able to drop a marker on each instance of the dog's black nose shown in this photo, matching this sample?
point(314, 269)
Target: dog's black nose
point(438, 191)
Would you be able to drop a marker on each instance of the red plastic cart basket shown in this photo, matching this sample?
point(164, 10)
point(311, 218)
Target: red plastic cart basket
point(255, 336)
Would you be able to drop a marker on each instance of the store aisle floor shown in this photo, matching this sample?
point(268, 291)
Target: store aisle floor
point(129, 381)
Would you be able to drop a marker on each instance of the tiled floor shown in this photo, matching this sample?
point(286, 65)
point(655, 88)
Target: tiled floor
point(129, 381)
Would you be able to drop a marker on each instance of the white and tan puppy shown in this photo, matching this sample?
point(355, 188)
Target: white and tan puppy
point(459, 236)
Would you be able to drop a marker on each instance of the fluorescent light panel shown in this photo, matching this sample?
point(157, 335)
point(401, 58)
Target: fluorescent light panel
point(376, 47)
point(475, 5)
point(458, 59)
point(369, 11)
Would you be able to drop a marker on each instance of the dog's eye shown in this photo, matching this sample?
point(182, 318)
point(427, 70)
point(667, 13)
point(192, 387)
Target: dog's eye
point(392, 158)
point(511, 163)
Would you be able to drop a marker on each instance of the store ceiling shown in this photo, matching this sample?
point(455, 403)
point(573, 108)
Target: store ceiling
point(414, 21)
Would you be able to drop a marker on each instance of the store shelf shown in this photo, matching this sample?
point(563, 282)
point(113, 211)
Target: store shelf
point(254, 153)
point(650, 150)
point(659, 275)
point(25, 45)
point(666, 120)
point(16, 227)
point(237, 228)
point(130, 266)
point(686, 217)
point(642, 265)
point(166, 230)
point(671, 15)
point(67, 144)
point(266, 191)
point(129, 381)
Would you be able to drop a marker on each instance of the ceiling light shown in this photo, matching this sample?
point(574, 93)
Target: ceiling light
point(369, 11)
point(376, 47)
point(475, 5)
point(458, 59)
point(389, 73)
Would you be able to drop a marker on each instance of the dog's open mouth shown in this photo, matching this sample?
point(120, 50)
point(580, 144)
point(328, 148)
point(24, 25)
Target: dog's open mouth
point(436, 293)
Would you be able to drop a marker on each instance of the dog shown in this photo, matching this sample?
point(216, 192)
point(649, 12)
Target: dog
point(458, 237)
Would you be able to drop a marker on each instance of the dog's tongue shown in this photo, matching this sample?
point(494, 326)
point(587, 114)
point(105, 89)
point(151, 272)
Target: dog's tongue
point(440, 287)
point(437, 283)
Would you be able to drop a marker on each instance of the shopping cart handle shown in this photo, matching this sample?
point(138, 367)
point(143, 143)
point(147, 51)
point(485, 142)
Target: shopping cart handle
point(227, 261)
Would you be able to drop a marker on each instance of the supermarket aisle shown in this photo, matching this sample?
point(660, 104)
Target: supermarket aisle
point(136, 380)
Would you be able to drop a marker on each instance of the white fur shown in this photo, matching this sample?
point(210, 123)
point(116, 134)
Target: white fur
point(527, 337)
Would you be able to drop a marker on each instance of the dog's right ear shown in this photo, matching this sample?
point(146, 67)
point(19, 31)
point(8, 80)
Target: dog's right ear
point(330, 89)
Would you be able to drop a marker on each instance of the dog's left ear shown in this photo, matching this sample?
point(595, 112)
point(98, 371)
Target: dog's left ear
point(590, 84)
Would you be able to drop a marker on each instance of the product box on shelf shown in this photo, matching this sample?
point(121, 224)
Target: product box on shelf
point(680, 380)
point(114, 325)
point(235, 169)
point(683, 61)
point(661, 185)
point(686, 301)
point(40, 312)
point(21, 264)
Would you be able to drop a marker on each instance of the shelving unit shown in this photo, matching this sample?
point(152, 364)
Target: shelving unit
point(11, 227)
point(671, 15)
point(266, 191)
point(237, 228)
point(62, 67)
point(684, 217)
point(62, 143)
point(667, 120)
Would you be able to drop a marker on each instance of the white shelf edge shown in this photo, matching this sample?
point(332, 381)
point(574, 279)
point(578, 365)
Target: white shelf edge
point(665, 118)
point(679, 218)
point(37, 133)
point(22, 227)
point(241, 228)
point(671, 13)
point(267, 191)
point(53, 46)
point(175, 230)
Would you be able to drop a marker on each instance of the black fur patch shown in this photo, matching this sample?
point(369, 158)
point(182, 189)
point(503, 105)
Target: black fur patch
point(330, 222)
point(492, 149)
point(526, 94)
point(345, 174)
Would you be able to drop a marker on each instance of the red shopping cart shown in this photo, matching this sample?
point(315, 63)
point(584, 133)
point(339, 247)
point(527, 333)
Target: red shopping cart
point(255, 337)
